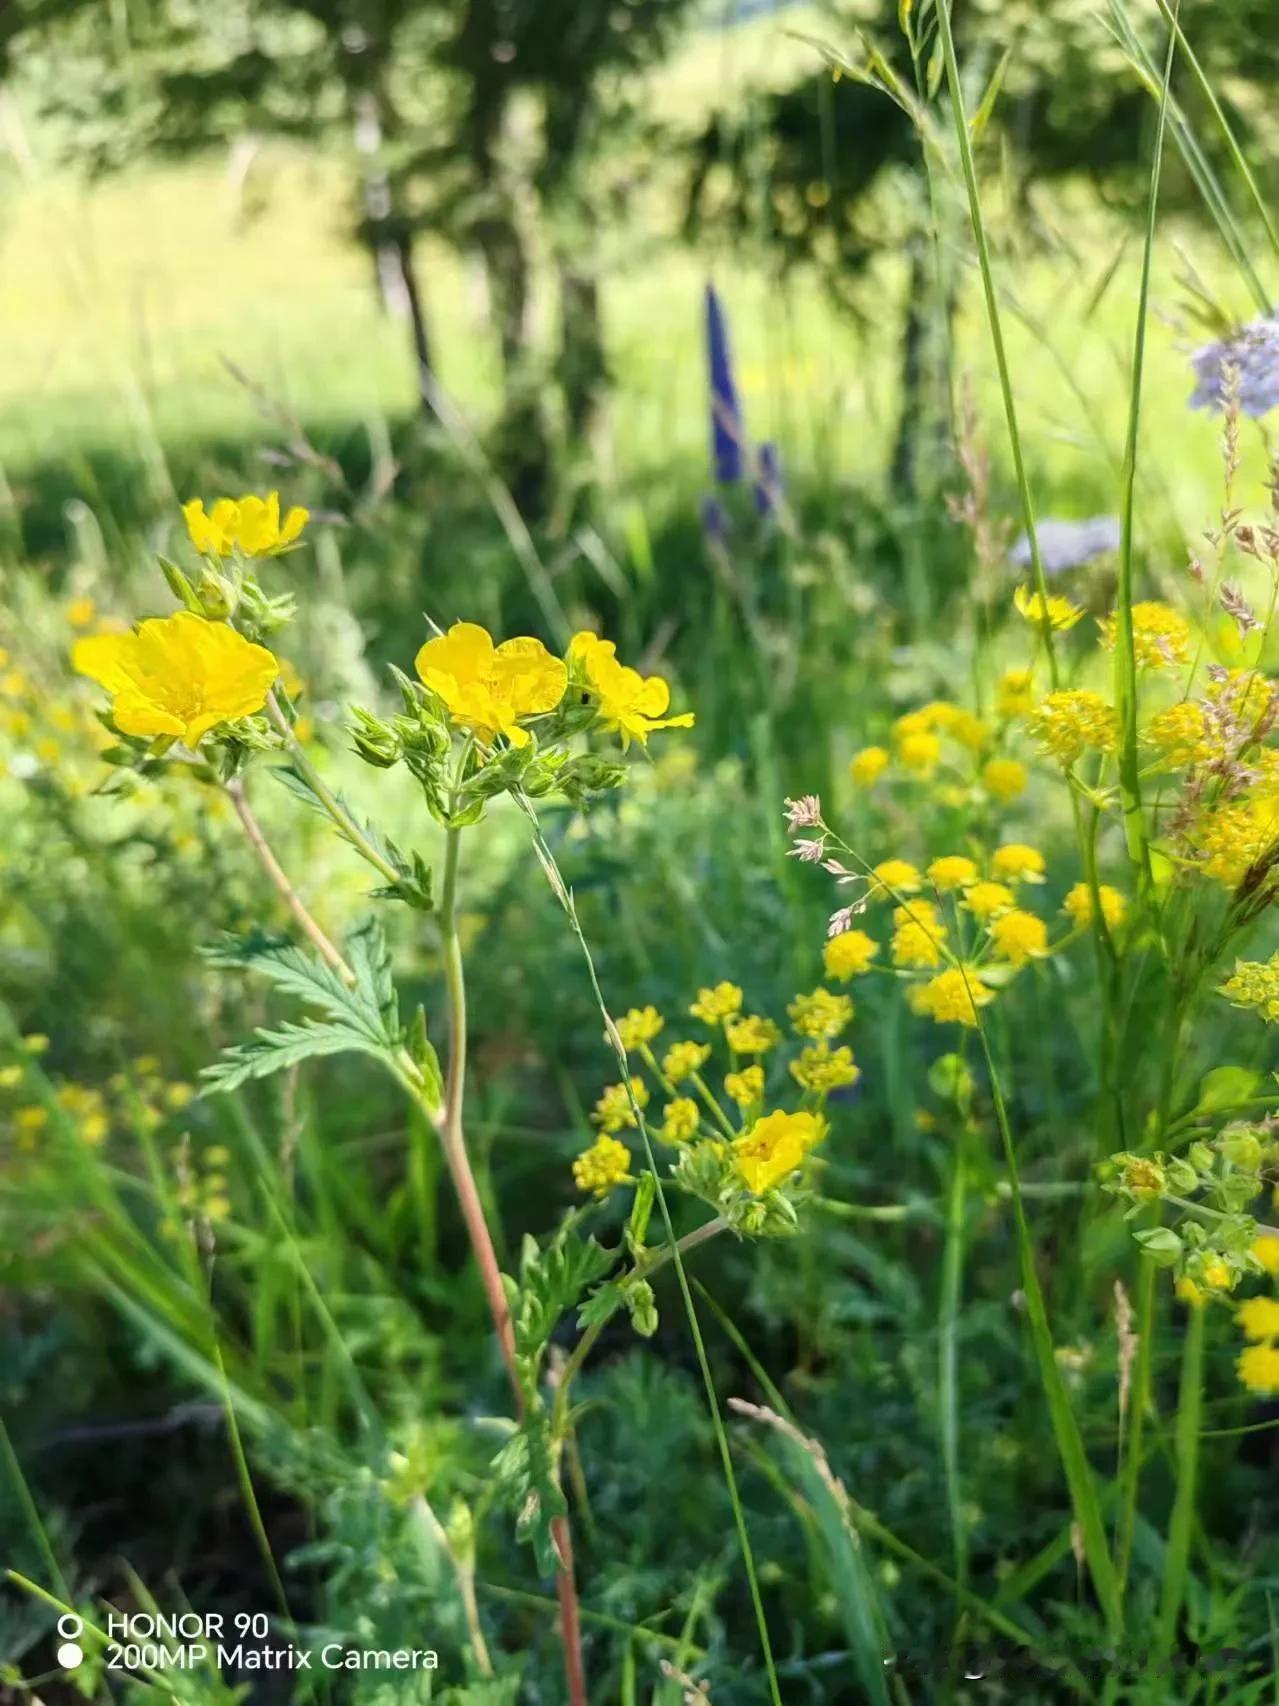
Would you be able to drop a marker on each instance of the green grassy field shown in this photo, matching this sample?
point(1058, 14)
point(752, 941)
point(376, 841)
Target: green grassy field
point(251, 1340)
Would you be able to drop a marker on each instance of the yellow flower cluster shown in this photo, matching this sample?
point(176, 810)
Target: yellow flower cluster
point(1254, 984)
point(751, 1035)
point(639, 1026)
point(605, 1164)
point(952, 997)
point(820, 1014)
point(682, 1060)
point(1258, 1364)
point(1161, 635)
point(1067, 724)
point(823, 1069)
point(1078, 905)
point(715, 1005)
point(1051, 613)
point(849, 955)
point(614, 1110)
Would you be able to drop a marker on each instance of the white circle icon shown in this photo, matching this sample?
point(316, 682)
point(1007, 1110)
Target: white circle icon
point(70, 1627)
point(70, 1655)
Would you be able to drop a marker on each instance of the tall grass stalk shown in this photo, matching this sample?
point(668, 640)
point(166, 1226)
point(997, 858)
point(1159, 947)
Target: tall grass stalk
point(1181, 1523)
point(1125, 647)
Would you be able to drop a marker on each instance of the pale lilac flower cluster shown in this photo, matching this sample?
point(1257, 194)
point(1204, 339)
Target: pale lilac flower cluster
point(1252, 354)
point(1068, 544)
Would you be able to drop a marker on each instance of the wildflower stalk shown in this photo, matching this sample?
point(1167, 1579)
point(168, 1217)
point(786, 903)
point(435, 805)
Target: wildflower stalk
point(564, 895)
point(449, 1124)
point(1125, 645)
point(1177, 1552)
point(1139, 1403)
point(948, 1350)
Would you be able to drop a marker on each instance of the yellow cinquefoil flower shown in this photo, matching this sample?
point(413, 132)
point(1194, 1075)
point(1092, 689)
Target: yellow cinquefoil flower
point(747, 1087)
point(1160, 635)
point(489, 689)
point(1078, 905)
point(849, 955)
point(682, 1060)
point(952, 997)
point(639, 1026)
point(1259, 1318)
point(177, 675)
point(868, 765)
point(712, 1005)
point(820, 1014)
point(252, 525)
point(1057, 613)
point(1004, 778)
point(775, 1146)
point(679, 1120)
point(605, 1164)
point(1019, 936)
point(631, 703)
point(751, 1035)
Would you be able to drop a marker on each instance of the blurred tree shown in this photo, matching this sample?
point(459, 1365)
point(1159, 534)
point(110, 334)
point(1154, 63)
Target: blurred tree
point(827, 175)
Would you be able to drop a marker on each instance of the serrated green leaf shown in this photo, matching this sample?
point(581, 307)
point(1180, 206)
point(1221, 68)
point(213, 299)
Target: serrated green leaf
point(274, 1050)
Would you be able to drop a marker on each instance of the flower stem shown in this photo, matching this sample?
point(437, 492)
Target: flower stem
point(279, 877)
point(1177, 1552)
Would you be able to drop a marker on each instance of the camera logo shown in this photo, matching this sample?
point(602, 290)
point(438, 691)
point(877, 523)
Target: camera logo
point(70, 1652)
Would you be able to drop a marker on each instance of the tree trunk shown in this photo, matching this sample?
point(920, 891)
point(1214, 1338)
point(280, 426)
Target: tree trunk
point(583, 367)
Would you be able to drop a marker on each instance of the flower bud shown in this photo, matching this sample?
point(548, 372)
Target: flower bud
point(1144, 1179)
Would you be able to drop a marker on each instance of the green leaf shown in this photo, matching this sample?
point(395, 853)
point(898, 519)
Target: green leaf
point(273, 1050)
point(981, 118)
point(414, 884)
point(424, 1057)
point(1226, 1087)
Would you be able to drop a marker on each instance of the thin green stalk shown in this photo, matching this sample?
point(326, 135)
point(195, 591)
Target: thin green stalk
point(564, 895)
point(246, 1482)
point(1138, 1405)
point(1181, 1523)
point(948, 1351)
point(964, 141)
point(1125, 645)
point(32, 1513)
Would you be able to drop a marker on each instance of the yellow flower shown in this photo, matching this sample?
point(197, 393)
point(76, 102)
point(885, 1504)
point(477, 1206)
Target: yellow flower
point(775, 1146)
point(712, 1005)
point(916, 944)
point(177, 675)
point(1160, 635)
point(820, 1014)
point(1186, 1291)
point(35, 1042)
point(11, 1077)
point(1015, 695)
point(682, 1060)
point(1078, 905)
point(953, 871)
point(31, 1120)
point(1068, 724)
point(1232, 839)
point(747, 1086)
point(1017, 863)
point(952, 997)
point(488, 688)
point(1258, 1368)
point(679, 1120)
point(1259, 1318)
point(823, 1069)
point(1217, 1275)
point(1019, 936)
point(80, 612)
point(894, 876)
point(605, 1164)
point(629, 702)
point(639, 1026)
point(849, 955)
point(253, 524)
point(1266, 1250)
point(613, 1110)
point(1004, 778)
point(751, 1035)
point(919, 752)
point(1057, 613)
point(868, 765)
point(984, 900)
point(1178, 735)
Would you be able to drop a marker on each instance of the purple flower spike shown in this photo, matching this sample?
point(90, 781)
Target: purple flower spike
point(1253, 351)
point(727, 430)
